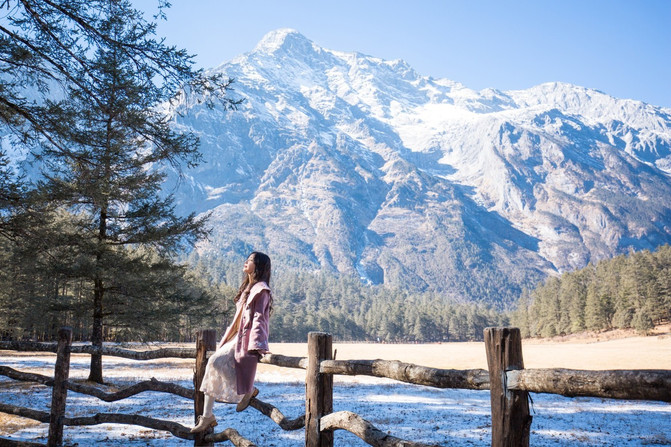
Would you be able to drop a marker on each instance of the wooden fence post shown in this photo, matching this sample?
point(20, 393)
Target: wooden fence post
point(511, 421)
point(59, 393)
point(318, 391)
point(206, 340)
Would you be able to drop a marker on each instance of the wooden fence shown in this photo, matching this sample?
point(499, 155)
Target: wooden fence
point(509, 384)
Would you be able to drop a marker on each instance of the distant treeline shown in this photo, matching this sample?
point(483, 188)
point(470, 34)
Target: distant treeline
point(628, 291)
point(37, 296)
point(353, 311)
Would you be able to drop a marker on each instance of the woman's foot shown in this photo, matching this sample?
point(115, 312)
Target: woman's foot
point(244, 403)
point(204, 422)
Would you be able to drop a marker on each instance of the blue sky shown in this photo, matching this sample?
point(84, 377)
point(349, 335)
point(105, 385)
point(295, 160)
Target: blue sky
point(622, 48)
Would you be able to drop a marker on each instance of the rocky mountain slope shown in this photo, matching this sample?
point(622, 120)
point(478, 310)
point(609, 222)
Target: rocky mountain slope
point(358, 165)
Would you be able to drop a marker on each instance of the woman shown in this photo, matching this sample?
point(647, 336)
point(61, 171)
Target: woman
point(229, 374)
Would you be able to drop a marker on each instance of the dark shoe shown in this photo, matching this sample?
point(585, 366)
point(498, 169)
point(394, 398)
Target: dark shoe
point(204, 423)
point(244, 403)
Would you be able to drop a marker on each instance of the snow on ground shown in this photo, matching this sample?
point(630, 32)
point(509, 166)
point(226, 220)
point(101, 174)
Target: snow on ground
point(446, 417)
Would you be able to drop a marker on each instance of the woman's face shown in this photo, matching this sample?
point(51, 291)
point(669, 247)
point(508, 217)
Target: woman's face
point(249, 265)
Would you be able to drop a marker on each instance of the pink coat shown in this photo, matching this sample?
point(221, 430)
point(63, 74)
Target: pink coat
point(252, 335)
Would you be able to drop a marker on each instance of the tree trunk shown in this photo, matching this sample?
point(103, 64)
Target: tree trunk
point(59, 392)
point(96, 372)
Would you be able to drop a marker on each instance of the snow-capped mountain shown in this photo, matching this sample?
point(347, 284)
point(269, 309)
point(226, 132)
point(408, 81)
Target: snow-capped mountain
point(359, 165)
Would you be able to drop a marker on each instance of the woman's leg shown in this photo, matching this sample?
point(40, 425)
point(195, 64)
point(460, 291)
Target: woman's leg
point(207, 419)
point(209, 405)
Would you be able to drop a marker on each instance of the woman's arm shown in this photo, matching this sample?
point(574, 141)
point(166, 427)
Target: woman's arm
point(232, 329)
point(258, 337)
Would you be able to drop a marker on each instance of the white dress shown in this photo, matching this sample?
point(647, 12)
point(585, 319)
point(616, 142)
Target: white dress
point(219, 380)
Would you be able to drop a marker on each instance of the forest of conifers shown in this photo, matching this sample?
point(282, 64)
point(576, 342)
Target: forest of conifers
point(628, 291)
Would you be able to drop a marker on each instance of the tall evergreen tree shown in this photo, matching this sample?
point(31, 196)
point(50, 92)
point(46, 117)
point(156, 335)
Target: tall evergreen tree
point(10, 196)
point(102, 138)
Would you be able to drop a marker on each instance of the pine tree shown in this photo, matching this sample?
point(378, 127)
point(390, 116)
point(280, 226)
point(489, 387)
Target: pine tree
point(10, 195)
point(578, 298)
point(520, 316)
point(594, 313)
point(642, 321)
point(104, 142)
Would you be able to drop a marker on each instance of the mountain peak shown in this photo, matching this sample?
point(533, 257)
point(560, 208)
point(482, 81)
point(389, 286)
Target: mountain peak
point(286, 38)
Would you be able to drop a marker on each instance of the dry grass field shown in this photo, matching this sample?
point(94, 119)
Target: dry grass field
point(590, 351)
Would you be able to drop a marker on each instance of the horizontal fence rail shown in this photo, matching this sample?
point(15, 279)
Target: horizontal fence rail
point(472, 379)
point(285, 361)
point(152, 354)
point(615, 384)
point(82, 388)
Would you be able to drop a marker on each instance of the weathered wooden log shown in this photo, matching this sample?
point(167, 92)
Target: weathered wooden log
point(511, 421)
point(59, 392)
point(353, 423)
point(184, 353)
point(5, 442)
point(132, 390)
point(29, 413)
point(206, 341)
point(129, 419)
point(285, 361)
point(614, 384)
point(176, 429)
point(25, 376)
point(318, 391)
point(28, 346)
point(157, 424)
point(132, 419)
point(147, 385)
point(161, 353)
point(276, 415)
point(232, 435)
point(472, 379)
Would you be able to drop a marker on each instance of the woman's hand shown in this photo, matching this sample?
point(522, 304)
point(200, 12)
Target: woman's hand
point(259, 353)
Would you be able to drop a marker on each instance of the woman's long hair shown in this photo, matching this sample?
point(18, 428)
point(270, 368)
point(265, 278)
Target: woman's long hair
point(261, 273)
